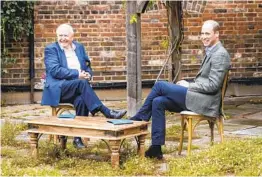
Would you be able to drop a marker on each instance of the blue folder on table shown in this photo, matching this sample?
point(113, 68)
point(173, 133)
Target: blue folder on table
point(120, 121)
point(66, 116)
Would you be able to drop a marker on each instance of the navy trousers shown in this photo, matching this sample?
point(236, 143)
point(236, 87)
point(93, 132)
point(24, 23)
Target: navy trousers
point(81, 95)
point(163, 96)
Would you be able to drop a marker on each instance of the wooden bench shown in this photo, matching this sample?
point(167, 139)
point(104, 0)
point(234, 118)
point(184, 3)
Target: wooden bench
point(89, 127)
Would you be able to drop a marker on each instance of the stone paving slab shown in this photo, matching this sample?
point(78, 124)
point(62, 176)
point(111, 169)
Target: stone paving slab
point(229, 127)
point(236, 113)
point(255, 115)
point(256, 131)
point(246, 121)
point(250, 106)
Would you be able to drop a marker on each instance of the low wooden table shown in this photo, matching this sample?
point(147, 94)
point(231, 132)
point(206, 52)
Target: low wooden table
point(89, 127)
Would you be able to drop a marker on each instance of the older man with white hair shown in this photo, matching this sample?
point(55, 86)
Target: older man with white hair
point(68, 72)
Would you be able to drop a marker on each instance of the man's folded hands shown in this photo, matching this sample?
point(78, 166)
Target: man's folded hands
point(183, 83)
point(85, 75)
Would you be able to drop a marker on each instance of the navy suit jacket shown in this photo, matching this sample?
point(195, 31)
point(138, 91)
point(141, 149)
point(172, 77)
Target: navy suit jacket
point(57, 71)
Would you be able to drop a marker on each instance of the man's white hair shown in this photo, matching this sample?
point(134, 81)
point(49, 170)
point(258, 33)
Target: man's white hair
point(213, 23)
point(67, 26)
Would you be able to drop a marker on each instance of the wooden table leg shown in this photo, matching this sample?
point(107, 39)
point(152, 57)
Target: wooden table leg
point(34, 144)
point(86, 141)
point(63, 140)
point(115, 147)
point(141, 145)
point(56, 139)
point(50, 138)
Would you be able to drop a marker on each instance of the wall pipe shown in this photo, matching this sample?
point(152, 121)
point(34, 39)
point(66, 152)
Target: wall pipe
point(31, 60)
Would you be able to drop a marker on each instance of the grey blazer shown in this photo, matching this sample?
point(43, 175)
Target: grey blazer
point(204, 94)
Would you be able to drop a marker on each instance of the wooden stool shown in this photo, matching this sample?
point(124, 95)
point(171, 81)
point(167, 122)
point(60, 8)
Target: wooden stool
point(56, 111)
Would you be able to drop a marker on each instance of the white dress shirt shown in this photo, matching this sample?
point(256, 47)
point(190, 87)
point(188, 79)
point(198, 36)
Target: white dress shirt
point(71, 58)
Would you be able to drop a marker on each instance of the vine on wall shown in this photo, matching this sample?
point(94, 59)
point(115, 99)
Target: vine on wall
point(16, 22)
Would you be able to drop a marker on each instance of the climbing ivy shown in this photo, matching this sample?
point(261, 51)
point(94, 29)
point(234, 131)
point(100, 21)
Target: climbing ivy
point(16, 22)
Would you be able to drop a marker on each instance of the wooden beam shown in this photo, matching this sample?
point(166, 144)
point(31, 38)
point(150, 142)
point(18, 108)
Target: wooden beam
point(133, 36)
point(141, 6)
point(174, 29)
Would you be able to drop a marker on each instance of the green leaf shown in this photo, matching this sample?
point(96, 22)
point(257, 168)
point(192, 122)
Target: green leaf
point(133, 19)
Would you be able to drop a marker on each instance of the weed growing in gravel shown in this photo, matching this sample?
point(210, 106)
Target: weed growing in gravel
point(173, 131)
point(9, 131)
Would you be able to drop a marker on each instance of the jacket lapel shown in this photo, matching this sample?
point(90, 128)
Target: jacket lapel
point(203, 61)
point(207, 57)
point(63, 60)
point(79, 55)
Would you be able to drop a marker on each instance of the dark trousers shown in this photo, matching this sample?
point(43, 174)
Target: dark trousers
point(163, 96)
point(81, 95)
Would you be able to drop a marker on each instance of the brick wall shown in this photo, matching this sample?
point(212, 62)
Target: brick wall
point(100, 26)
point(241, 34)
point(17, 73)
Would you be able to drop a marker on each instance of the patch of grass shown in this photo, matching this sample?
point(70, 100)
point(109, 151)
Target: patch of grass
point(9, 131)
point(90, 168)
point(139, 166)
point(235, 157)
point(18, 117)
point(169, 149)
point(168, 113)
point(11, 168)
point(3, 102)
point(20, 163)
point(173, 131)
point(228, 116)
point(255, 101)
point(8, 152)
point(52, 161)
point(3, 115)
point(42, 111)
point(25, 115)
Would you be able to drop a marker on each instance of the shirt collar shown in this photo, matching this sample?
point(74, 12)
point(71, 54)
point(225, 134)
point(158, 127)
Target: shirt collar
point(73, 46)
